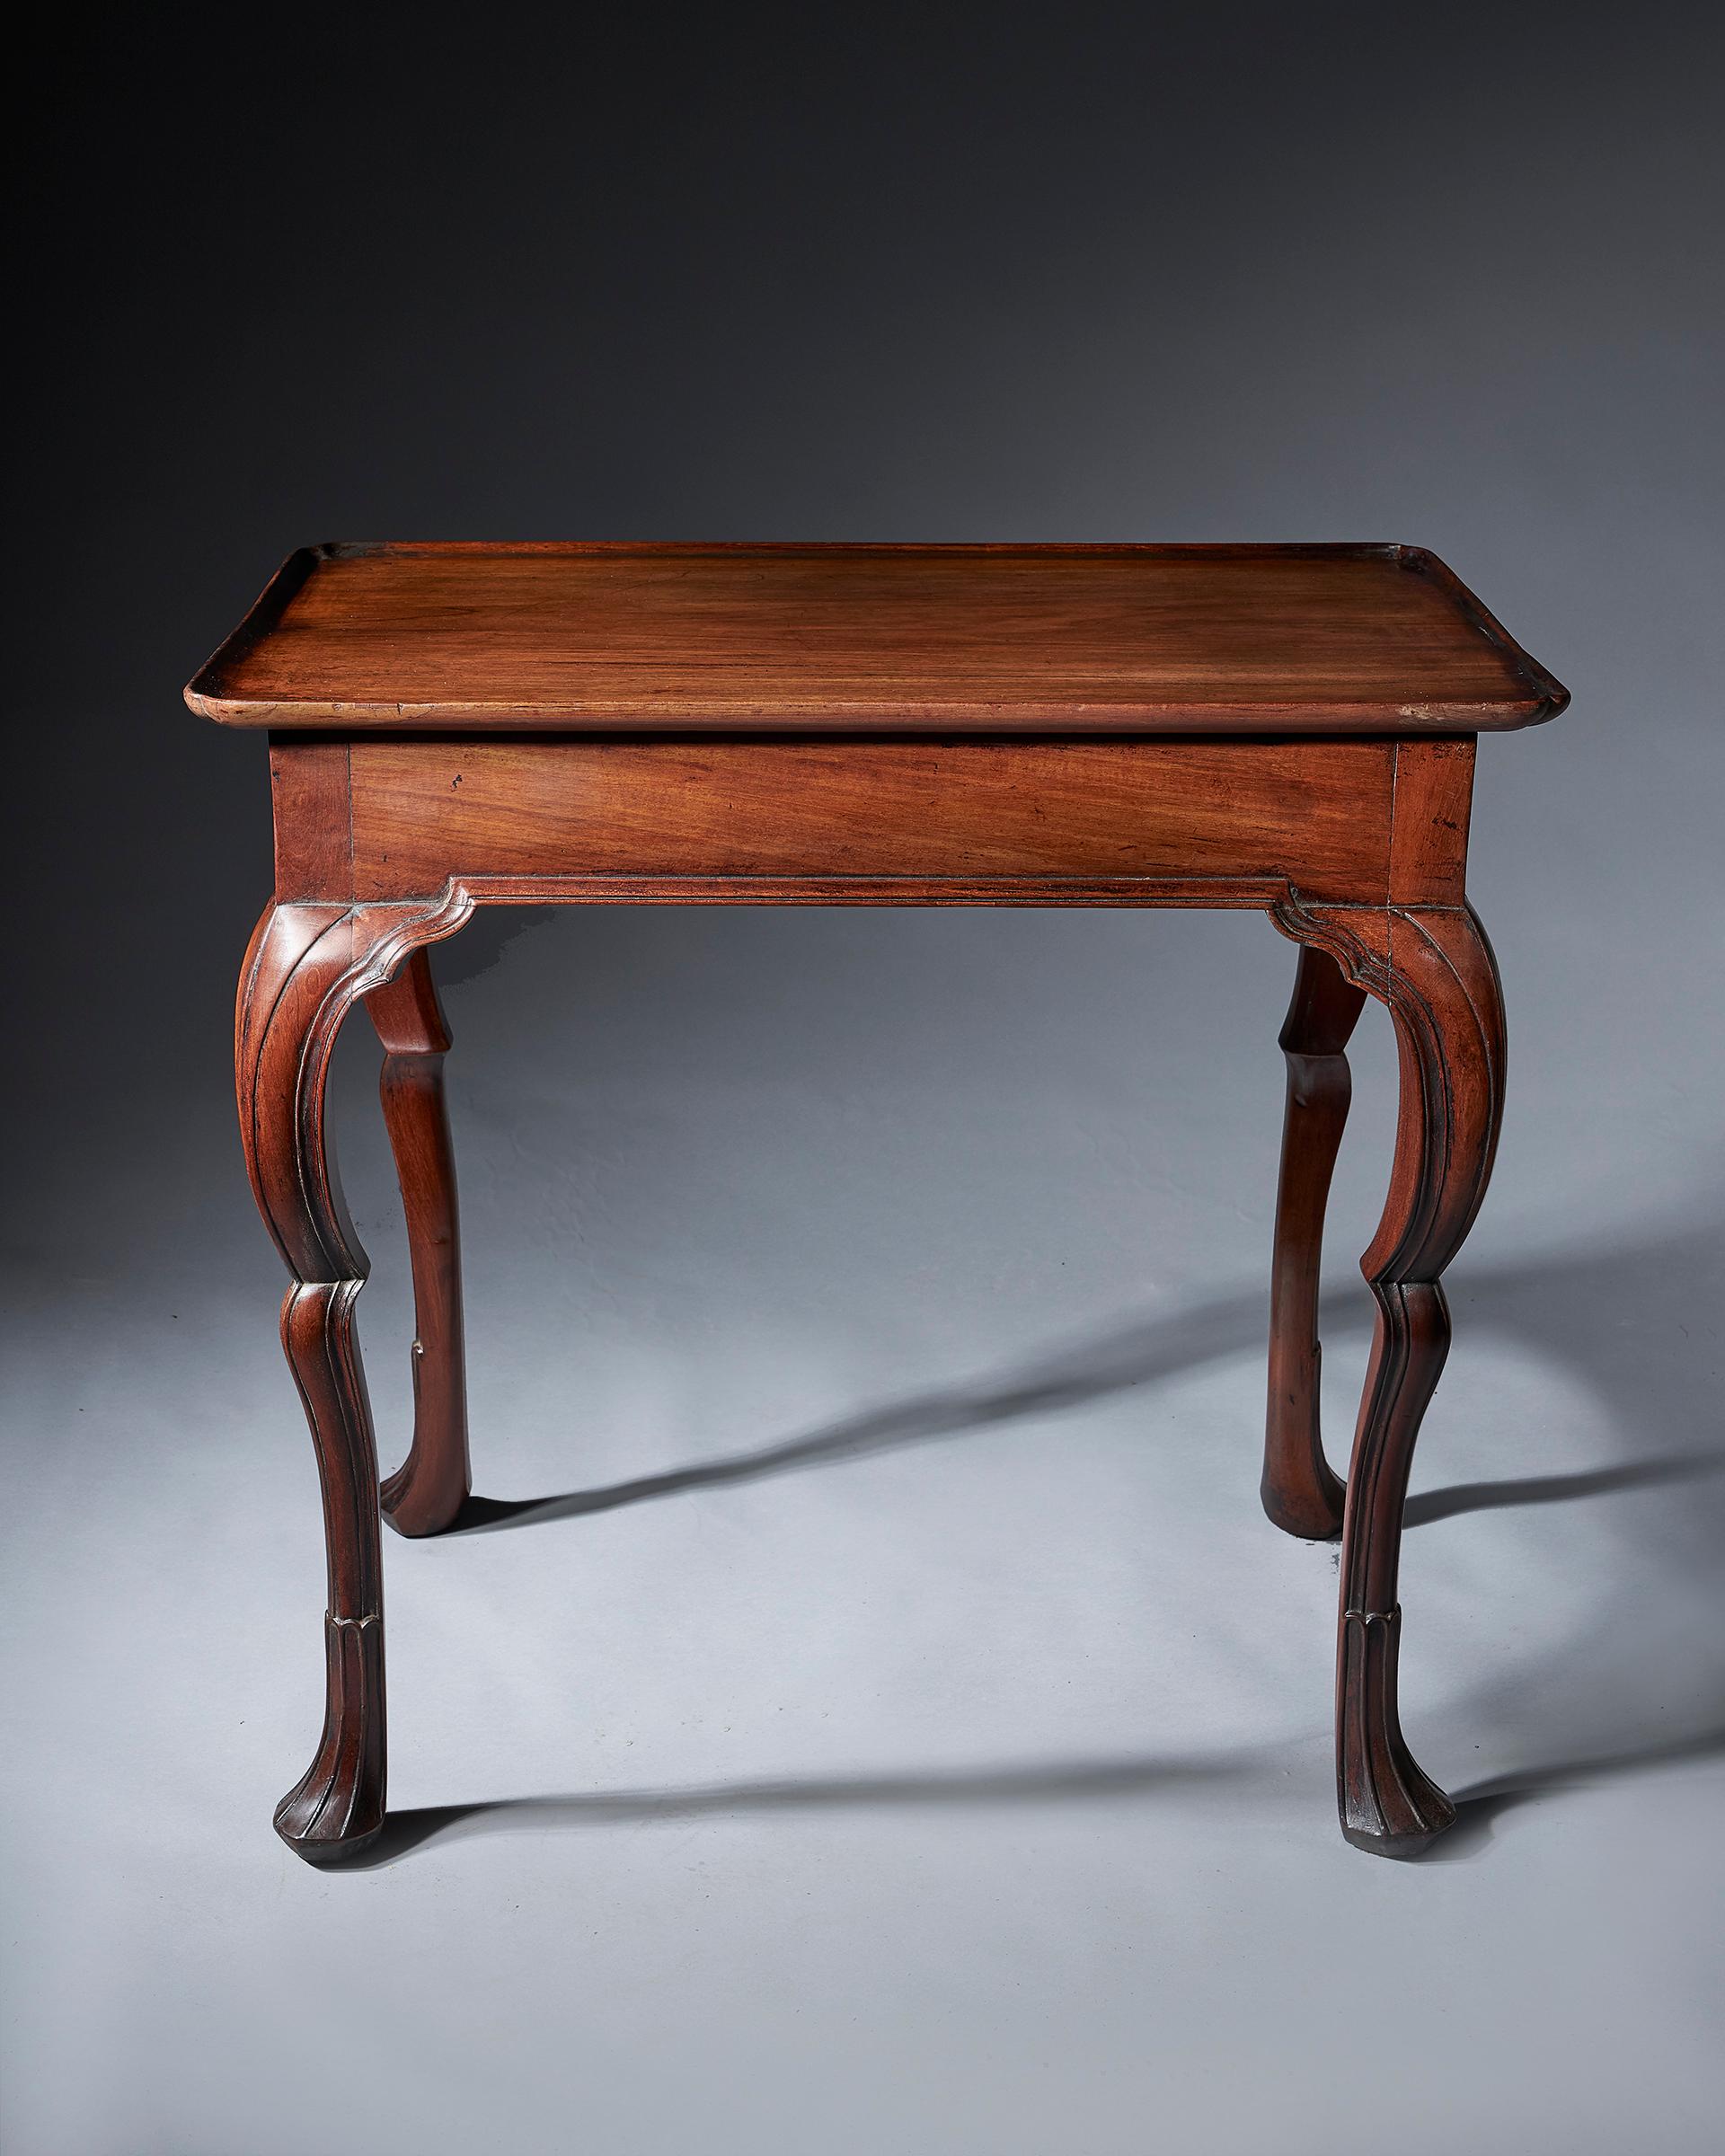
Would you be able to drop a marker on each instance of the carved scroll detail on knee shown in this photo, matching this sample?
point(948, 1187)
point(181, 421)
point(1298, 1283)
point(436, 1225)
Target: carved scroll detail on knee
point(1434, 970)
point(307, 965)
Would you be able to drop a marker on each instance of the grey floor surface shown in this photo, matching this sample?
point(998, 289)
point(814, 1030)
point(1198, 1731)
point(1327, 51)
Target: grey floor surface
point(902, 1732)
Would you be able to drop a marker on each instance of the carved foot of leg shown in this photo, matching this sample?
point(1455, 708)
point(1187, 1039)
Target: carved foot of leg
point(336, 1809)
point(1390, 1806)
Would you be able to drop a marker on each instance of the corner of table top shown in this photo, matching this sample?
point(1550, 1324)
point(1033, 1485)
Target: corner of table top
point(202, 692)
point(1547, 696)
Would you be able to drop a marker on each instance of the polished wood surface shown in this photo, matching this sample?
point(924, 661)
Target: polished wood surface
point(1317, 813)
point(1436, 972)
point(388, 838)
point(427, 1491)
point(1135, 639)
point(873, 822)
point(1299, 1490)
point(304, 969)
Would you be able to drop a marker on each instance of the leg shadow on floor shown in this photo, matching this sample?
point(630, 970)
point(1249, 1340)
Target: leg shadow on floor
point(1038, 1783)
point(1611, 1317)
point(1618, 1319)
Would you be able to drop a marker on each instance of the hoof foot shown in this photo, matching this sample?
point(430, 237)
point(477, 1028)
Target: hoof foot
point(321, 1848)
point(326, 1818)
point(1400, 1847)
point(336, 1808)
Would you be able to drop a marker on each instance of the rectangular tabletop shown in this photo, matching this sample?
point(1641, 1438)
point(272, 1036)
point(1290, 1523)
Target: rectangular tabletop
point(841, 638)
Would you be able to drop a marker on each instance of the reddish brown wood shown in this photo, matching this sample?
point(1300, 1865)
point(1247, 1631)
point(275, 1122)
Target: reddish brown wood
point(308, 964)
point(1434, 795)
point(573, 686)
point(1331, 639)
point(1299, 1492)
point(427, 1491)
point(1434, 970)
point(1314, 814)
point(311, 786)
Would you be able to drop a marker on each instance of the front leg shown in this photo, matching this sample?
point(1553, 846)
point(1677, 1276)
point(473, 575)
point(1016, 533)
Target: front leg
point(427, 1490)
point(1434, 969)
point(308, 964)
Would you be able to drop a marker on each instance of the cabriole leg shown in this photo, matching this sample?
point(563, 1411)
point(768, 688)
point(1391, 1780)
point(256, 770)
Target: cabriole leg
point(1434, 969)
point(1300, 1492)
point(308, 964)
point(427, 1490)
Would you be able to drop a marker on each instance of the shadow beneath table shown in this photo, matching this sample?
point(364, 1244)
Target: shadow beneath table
point(1617, 1319)
point(1426, 1507)
point(1041, 1782)
point(1480, 1805)
point(1606, 1318)
point(1137, 1354)
point(1217, 1777)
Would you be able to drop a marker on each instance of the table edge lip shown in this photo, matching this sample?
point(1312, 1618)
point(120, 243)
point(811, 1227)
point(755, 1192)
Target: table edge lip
point(1545, 697)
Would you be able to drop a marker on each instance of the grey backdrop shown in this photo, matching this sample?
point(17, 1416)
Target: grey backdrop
point(906, 1733)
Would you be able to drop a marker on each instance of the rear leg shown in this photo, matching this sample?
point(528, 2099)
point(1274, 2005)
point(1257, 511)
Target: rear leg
point(427, 1490)
point(1300, 1491)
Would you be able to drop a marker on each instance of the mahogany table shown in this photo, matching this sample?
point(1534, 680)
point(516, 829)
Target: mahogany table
point(1285, 728)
